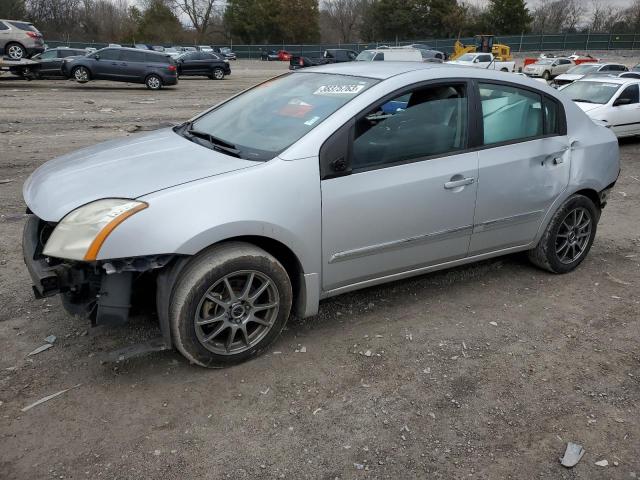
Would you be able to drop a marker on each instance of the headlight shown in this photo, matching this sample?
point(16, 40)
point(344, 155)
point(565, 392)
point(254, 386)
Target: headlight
point(81, 233)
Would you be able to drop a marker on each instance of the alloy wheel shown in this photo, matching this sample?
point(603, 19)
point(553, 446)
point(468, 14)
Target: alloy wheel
point(153, 82)
point(15, 52)
point(218, 74)
point(573, 235)
point(237, 312)
point(81, 74)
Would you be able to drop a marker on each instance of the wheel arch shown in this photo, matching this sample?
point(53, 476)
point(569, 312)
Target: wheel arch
point(281, 252)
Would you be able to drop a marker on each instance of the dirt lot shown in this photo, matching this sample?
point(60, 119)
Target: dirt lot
point(481, 372)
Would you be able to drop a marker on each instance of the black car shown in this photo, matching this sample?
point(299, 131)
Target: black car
point(49, 63)
point(204, 64)
point(225, 52)
point(332, 55)
point(154, 69)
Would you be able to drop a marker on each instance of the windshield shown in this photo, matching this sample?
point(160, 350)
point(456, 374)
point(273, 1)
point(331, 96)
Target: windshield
point(264, 121)
point(366, 56)
point(467, 57)
point(583, 69)
point(591, 92)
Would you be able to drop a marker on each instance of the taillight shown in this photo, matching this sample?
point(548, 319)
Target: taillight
point(34, 34)
point(301, 62)
point(172, 68)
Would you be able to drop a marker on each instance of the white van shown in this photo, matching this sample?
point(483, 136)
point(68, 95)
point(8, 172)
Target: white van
point(401, 54)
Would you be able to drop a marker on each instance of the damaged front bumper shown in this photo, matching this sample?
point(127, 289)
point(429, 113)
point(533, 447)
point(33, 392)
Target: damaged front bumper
point(100, 291)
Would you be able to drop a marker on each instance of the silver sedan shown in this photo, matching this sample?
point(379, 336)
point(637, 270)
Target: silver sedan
point(312, 184)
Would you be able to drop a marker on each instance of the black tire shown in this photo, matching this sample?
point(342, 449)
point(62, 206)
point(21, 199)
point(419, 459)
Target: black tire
point(545, 254)
point(153, 82)
point(504, 69)
point(197, 278)
point(217, 74)
point(546, 75)
point(81, 74)
point(15, 51)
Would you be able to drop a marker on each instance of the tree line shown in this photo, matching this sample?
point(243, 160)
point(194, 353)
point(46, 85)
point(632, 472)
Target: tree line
point(309, 21)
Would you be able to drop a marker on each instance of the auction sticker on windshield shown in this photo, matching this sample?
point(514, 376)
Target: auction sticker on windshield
point(338, 89)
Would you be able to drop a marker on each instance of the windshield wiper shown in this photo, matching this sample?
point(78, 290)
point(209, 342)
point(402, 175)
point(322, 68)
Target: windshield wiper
point(215, 142)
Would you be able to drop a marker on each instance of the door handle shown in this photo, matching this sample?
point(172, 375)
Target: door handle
point(458, 183)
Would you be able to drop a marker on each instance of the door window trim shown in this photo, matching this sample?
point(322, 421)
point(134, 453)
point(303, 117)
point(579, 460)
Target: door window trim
point(475, 125)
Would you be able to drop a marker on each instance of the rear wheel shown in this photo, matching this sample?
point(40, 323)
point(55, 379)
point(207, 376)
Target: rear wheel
point(153, 82)
point(568, 237)
point(217, 74)
point(15, 51)
point(230, 303)
point(81, 74)
point(546, 75)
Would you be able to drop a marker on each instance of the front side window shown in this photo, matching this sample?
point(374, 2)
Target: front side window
point(379, 57)
point(629, 96)
point(422, 123)
point(49, 54)
point(510, 113)
point(484, 58)
point(3, 26)
point(264, 121)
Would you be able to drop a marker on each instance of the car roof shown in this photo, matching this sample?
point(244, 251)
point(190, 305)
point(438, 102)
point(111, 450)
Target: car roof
point(619, 80)
point(134, 50)
point(378, 70)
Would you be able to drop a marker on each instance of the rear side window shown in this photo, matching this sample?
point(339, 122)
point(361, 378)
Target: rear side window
point(134, 57)
point(510, 113)
point(27, 27)
point(551, 117)
point(154, 58)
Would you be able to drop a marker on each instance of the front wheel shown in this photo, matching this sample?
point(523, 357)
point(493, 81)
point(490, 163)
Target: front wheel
point(230, 303)
point(153, 82)
point(81, 74)
point(546, 75)
point(568, 237)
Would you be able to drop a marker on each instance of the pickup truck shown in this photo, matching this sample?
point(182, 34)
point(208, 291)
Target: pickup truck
point(484, 60)
point(333, 55)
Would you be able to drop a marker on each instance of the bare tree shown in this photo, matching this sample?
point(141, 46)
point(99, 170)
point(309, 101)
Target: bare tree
point(201, 14)
point(604, 17)
point(345, 15)
point(555, 16)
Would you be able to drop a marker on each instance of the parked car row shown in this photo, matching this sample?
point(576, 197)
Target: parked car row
point(153, 68)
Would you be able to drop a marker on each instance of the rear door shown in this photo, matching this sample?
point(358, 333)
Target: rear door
point(523, 165)
point(407, 197)
point(133, 65)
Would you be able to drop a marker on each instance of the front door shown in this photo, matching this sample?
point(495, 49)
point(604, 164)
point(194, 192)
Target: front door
point(523, 167)
point(409, 198)
point(105, 64)
point(625, 112)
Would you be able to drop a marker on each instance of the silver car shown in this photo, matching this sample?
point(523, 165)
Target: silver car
point(312, 184)
point(19, 39)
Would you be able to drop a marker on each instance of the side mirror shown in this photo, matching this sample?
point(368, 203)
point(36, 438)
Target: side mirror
point(96, 56)
point(476, 60)
point(622, 101)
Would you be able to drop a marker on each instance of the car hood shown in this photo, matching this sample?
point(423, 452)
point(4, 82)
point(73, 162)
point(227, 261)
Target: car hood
point(588, 107)
point(124, 168)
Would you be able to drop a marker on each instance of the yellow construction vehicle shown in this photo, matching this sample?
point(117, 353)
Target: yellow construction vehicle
point(484, 44)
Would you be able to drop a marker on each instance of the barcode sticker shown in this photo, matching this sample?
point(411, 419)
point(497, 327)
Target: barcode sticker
point(338, 89)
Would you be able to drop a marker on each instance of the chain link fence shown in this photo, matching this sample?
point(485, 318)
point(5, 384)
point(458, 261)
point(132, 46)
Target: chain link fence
point(570, 42)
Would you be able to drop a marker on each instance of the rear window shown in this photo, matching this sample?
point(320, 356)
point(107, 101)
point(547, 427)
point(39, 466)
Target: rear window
point(27, 27)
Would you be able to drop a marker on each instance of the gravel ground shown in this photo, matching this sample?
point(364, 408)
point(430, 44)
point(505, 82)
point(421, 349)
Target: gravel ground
point(480, 372)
